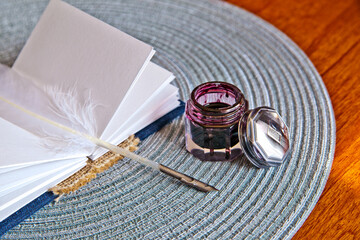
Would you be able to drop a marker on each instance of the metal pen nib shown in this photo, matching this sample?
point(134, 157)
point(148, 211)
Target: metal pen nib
point(187, 179)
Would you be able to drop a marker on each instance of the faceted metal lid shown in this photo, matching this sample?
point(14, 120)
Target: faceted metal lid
point(264, 137)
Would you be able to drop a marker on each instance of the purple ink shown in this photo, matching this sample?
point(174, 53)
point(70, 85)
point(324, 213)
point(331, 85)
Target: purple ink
point(211, 124)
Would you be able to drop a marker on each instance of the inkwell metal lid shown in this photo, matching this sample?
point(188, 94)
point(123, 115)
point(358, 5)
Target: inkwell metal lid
point(264, 137)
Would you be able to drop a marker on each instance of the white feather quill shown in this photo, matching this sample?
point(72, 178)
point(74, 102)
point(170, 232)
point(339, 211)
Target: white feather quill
point(118, 150)
point(18, 98)
point(65, 105)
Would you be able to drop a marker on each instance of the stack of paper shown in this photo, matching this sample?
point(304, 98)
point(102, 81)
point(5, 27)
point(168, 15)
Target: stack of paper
point(82, 73)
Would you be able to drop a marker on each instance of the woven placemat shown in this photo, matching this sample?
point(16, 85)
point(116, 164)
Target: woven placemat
point(198, 41)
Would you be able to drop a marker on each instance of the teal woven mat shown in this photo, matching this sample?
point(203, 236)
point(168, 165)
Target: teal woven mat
point(199, 41)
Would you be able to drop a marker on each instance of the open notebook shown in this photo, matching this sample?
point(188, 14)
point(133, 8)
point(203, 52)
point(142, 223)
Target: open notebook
point(85, 74)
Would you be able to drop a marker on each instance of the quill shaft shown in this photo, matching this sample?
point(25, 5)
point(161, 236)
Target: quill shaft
point(124, 152)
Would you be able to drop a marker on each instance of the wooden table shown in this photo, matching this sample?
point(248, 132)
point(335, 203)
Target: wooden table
point(328, 31)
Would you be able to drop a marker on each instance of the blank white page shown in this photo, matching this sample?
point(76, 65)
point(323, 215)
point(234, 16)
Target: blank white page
point(22, 147)
point(16, 200)
point(13, 180)
point(70, 50)
point(152, 81)
point(161, 103)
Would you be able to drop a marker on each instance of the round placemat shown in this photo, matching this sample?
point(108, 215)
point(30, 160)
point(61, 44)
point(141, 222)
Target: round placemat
point(198, 41)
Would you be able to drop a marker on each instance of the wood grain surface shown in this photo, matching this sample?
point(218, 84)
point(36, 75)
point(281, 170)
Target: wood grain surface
point(328, 31)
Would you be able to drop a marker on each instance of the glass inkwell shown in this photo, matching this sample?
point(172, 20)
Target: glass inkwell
point(219, 127)
point(212, 116)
